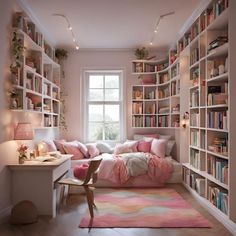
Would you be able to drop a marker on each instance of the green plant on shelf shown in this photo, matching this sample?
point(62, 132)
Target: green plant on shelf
point(141, 53)
point(61, 54)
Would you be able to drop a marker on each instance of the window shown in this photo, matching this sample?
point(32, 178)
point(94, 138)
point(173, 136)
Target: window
point(104, 105)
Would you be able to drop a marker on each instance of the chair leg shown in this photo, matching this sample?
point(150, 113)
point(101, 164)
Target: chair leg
point(89, 196)
point(61, 196)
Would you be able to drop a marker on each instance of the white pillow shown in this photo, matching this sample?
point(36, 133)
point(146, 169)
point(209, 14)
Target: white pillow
point(138, 137)
point(163, 136)
point(104, 147)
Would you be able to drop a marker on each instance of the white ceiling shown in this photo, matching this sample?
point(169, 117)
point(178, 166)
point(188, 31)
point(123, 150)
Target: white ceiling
point(119, 24)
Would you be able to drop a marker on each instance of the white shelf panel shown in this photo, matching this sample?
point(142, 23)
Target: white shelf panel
point(218, 130)
point(217, 155)
point(220, 51)
point(219, 78)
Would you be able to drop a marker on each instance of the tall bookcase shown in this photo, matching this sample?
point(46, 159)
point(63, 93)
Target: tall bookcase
point(36, 79)
point(156, 104)
point(210, 170)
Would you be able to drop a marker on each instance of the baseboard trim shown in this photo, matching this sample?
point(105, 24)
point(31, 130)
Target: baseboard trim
point(5, 213)
point(230, 225)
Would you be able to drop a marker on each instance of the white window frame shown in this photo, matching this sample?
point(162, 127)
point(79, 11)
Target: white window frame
point(86, 102)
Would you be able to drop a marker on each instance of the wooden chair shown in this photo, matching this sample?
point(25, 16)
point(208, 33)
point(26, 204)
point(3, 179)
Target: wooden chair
point(87, 183)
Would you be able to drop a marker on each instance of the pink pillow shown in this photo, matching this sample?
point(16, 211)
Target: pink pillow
point(122, 148)
point(93, 151)
point(59, 145)
point(144, 146)
point(132, 144)
point(80, 171)
point(73, 148)
point(83, 149)
point(158, 147)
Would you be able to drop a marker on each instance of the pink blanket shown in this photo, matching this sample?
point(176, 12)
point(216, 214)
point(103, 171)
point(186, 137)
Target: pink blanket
point(114, 169)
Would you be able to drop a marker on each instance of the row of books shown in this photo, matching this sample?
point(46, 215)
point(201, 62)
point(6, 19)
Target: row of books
point(174, 71)
point(163, 121)
point(194, 119)
point(194, 138)
point(47, 121)
point(55, 121)
point(194, 56)
point(150, 121)
point(219, 145)
point(216, 9)
point(194, 31)
point(217, 99)
point(137, 121)
point(218, 168)
point(46, 89)
point(218, 197)
point(150, 94)
point(162, 66)
point(175, 88)
point(218, 119)
point(194, 99)
point(196, 182)
point(38, 84)
point(196, 160)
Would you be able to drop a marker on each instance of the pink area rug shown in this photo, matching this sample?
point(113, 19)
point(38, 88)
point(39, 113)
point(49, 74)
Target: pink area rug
point(143, 208)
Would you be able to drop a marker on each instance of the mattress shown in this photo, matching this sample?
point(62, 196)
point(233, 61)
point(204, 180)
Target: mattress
point(138, 181)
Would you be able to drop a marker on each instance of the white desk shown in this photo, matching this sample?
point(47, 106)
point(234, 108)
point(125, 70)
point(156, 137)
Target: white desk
point(36, 181)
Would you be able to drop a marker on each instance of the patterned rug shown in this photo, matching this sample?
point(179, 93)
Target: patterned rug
point(143, 208)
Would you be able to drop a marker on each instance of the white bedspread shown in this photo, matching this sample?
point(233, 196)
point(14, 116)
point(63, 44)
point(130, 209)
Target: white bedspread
point(136, 163)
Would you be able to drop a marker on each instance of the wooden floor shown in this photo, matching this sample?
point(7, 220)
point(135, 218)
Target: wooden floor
point(66, 223)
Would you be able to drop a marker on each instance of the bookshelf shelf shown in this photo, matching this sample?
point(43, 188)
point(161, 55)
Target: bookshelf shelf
point(37, 88)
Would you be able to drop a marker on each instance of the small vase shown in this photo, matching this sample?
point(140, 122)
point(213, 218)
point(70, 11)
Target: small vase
point(21, 160)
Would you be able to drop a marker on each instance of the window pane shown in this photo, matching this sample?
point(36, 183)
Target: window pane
point(112, 131)
point(95, 131)
point(112, 81)
point(112, 95)
point(95, 81)
point(112, 112)
point(95, 112)
point(95, 94)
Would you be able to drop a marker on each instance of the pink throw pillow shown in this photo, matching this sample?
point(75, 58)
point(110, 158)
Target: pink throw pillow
point(59, 145)
point(83, 149)
point(122, 148)
point(144, 146)
point(80, 171)
point(158, 147)
point(73, 148)
point(93, 151)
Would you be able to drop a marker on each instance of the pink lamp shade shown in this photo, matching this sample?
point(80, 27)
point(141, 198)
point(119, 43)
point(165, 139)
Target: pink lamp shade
point(23, 131)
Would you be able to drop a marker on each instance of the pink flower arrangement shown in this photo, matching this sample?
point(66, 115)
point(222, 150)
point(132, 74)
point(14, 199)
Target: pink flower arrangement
point(22, 149)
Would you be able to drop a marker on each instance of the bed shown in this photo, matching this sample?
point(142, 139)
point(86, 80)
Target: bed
point(143, 180)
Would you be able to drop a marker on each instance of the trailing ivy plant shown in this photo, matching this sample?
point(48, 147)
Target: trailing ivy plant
point(61, 54)
point(17, 49)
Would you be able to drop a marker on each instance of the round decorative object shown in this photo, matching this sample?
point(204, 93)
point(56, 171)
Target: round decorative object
point(80, 171)
point(24, 212)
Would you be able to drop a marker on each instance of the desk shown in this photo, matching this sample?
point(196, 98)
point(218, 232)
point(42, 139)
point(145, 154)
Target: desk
point(37, 182)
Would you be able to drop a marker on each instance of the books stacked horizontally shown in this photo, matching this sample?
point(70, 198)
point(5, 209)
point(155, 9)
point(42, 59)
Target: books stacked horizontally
point(220, 40)
point(219, 145)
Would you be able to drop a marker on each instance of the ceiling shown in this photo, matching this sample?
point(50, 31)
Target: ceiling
point(112, 24)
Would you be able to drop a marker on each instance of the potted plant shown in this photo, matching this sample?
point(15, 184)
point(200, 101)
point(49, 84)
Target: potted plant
point(141, 53)
point(61, 54)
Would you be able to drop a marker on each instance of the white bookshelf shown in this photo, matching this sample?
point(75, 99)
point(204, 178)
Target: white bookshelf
point(37, 84)
point(157, 105)
point(214, 114)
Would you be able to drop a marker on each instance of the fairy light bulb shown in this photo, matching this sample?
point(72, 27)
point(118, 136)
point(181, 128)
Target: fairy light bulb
point(77, 47)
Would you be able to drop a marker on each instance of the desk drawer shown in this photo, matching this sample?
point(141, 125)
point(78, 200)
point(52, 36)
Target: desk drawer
point(61, 170)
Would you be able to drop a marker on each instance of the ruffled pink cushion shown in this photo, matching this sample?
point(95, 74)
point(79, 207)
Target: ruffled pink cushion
point(73, 149)
point(93, 151)
point(59, 145)
point(80, 171)
point(144, 146)
point(158, 147)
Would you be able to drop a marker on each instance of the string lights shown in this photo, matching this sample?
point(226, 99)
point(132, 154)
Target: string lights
point(157, 25)
point(69, 28)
